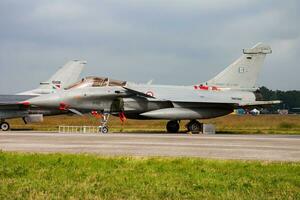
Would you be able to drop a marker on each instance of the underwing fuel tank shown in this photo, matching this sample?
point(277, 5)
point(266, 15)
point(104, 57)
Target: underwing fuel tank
point(186, 113)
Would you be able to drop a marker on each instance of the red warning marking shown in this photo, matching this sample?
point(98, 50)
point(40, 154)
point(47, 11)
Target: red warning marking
point(214, 88)
point(122, 117)
point(205, 87)
point(25, 103)
point(63, 106)
point(96, 114)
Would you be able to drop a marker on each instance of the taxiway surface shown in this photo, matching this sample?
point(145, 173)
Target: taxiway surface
point(246, 147)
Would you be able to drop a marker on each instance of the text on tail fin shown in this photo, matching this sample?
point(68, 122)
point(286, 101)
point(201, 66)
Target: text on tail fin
point(243, 73)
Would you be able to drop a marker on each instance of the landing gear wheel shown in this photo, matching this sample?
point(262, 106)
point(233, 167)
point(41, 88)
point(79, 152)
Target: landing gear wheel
point(103, 121)
point(104, 129)
point(173, 126)
point(4, 126)
point(194, 126)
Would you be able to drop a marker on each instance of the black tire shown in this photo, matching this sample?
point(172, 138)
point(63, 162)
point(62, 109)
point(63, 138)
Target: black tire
point(4, 126)
point(194, 126)
point(104, 130)
point(173, 127)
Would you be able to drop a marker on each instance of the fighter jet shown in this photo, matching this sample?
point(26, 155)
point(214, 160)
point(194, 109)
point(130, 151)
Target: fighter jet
point(10, 106)
point(231, 89)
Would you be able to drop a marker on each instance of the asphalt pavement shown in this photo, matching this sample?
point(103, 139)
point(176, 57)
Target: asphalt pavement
point(220, 146)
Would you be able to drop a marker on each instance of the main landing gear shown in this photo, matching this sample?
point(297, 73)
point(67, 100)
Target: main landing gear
point(173, 126)
point(4, 126)
point(193, 126)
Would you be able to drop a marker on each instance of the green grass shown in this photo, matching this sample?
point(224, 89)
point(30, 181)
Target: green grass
point(263, 124)
point(56, 176)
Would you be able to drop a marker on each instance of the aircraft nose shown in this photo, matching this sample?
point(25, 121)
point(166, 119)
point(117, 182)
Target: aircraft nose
point(48, 100)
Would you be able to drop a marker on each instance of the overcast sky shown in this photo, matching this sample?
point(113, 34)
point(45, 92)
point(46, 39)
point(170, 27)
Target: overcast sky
point(171, 41)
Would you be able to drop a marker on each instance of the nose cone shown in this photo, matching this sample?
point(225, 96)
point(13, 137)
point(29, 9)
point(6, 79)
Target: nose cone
point(47, 100)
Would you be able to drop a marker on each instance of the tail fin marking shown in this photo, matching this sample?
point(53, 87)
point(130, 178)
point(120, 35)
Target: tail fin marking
point(243, 73)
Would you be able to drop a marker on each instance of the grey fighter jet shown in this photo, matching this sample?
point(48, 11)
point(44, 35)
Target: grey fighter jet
point(11, 106)
point(231, 89)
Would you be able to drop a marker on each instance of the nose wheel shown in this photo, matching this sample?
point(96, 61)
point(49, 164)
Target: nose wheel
point(103, 121)
point(4, 126)
point(103, 130)
point(173, 126)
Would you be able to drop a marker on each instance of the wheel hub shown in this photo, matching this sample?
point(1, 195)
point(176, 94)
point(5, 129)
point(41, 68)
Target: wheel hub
point(194, 126)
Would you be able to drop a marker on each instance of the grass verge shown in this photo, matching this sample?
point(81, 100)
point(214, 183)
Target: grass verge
point(263, 124)
point(58, 176)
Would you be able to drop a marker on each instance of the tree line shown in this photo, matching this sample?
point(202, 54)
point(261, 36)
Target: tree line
point(290, 99)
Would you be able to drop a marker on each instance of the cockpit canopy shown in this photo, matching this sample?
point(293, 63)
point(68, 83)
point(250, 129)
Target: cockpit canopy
point(96, 82)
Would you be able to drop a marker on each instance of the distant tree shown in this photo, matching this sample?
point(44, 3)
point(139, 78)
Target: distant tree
point(291, 99)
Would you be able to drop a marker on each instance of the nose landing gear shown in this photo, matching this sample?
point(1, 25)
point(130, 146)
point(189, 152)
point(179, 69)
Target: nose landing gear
point(103, 118)
point(103, 121)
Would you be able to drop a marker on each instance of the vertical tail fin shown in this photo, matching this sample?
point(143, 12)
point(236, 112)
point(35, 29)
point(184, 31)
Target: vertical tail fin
point(243, 73)
point(64, 77)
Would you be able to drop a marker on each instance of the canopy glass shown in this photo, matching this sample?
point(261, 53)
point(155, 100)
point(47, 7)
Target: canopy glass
point(96, 82)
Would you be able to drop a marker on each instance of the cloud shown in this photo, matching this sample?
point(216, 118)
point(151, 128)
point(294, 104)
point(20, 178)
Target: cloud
point(59, 10)
point(189, 6)
point(173, 42)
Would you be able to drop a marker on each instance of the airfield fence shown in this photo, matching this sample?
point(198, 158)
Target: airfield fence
point(78, 129)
